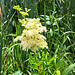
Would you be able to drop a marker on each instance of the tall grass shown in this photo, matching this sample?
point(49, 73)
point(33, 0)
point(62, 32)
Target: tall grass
point(59, 21)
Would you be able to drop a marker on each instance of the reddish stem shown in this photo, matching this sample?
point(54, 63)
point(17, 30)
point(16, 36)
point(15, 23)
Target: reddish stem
point(0, 16)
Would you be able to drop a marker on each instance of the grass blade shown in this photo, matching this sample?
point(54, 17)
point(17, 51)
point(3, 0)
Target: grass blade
point(69, 69)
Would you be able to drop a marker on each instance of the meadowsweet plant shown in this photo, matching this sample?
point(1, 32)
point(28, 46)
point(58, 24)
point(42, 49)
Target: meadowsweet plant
point(31, 37)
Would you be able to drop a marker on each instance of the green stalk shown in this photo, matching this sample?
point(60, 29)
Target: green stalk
point(0, 53)
point(45, 14)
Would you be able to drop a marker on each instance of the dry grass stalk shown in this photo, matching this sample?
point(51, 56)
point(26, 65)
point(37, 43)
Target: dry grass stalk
point(0, 16)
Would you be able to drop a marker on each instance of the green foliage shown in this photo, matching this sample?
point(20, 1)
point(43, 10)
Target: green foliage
point(68, 70)
point(41, 62)
point(17, 73)
point(58, 17)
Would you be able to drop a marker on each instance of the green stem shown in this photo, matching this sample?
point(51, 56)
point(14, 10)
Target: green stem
point(1, 49)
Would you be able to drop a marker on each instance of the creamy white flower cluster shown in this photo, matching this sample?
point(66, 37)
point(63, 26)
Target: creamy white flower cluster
point(31, 37)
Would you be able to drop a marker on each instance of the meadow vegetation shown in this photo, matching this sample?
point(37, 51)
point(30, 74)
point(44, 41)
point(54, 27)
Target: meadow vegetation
point(37, 37)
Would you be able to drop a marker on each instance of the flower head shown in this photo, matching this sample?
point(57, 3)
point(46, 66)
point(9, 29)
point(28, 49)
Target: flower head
point(24, 13)
point(17, 8)
point(58, 72)
point(27, 10)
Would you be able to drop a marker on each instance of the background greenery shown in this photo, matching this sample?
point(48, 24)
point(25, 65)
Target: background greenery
point(58, 17)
